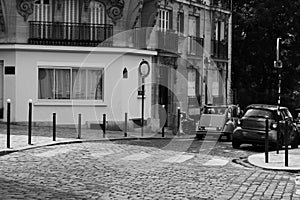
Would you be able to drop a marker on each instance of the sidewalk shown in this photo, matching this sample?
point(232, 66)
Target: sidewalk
point(277, 161)
point(43, 136)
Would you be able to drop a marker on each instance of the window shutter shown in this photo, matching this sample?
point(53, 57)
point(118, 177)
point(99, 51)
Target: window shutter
point(181, 22)
point(170, 12)
point(198, 26)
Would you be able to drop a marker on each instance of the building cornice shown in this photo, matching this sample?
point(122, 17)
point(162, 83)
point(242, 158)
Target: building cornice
point(39, 48)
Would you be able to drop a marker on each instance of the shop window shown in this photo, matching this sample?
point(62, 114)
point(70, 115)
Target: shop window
point(70, 83)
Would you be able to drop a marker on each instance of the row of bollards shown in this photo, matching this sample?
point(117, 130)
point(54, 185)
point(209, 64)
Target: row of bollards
point(286, 142)
point(54, 119)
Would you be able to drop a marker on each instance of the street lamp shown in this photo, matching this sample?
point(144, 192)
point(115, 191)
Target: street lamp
point(207, 64)
point(278, 65)
point(144, 70)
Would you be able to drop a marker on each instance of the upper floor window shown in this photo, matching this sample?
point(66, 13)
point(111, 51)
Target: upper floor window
point(97, 14)
point(164, 20)
point(42, 10)
point(71, 11)
point(220, 31)
point(180, 22)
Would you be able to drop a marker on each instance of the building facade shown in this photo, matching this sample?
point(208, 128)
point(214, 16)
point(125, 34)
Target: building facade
point(83, 56)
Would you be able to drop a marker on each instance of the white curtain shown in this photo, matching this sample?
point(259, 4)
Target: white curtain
point(94, 84)
point(62, 84)
point(46, 84)
point(79, 84)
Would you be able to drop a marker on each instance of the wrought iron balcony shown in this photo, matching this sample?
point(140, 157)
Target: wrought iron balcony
point(219, 49)
point(69, 34)
point(195, 45)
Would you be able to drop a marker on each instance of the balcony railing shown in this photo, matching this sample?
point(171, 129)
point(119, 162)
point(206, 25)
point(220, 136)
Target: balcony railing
point(219, 49)
point(167, 41)
point(195, 45)
point(69, 34)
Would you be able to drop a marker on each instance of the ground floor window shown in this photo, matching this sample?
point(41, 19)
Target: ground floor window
point(70, 83)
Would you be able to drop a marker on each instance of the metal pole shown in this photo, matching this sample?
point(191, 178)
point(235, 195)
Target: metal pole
point(29, 121)
point(286, 152)
point(104, 125)
point(278, 131)
point(79, 126)
point(164, 123)
point(8, 123)
point(206, 84)
point(54, 126)
point(143, 94)
point(178, 120)
point(267, 141)
point(125, 125)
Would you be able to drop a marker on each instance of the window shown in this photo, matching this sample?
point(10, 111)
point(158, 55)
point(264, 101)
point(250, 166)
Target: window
point(164, 20)
point(180, 22)
point(191, 83)
point(220, 31)
point(71, 11)
point(97, 13)
point(70, 83)
point(42, 10)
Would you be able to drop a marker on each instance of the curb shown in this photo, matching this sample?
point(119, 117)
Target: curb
point(257, 160)
point(74, 141)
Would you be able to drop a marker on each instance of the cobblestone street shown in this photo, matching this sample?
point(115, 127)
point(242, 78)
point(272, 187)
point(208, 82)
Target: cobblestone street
point(112, 170)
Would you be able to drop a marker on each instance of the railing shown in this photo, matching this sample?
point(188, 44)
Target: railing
point(167, 41)
point(69, 34)
point(219, 49)
point(195, 45)
point(224, 4)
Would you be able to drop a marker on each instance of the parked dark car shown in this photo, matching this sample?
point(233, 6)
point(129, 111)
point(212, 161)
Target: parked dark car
point(219, 120)
point(252, 126)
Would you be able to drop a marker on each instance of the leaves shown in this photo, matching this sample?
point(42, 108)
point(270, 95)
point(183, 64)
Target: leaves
point(256, 26)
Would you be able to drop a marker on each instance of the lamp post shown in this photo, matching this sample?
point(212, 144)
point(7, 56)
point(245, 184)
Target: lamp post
point(144, 70)
point(278, 65)
point(206, 63)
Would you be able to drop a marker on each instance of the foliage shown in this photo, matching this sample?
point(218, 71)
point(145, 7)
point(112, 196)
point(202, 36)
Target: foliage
point(256, 26)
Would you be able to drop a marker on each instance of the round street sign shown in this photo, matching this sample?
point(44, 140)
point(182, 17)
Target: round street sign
point(144, 68)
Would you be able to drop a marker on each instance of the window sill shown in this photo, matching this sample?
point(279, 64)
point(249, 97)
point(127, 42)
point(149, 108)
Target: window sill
point(56, 102)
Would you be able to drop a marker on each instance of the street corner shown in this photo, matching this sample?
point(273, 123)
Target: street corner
point(277, 161)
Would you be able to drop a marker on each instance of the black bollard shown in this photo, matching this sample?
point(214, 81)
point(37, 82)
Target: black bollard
point(164, 124)
point(178, 120)
point(286, 150)
point(125, 125)
point(267, 141)
point(277, 134)
point(54, 126)
point(29, 121)
point(104, 124)
point(79, 126)
point(8, 123)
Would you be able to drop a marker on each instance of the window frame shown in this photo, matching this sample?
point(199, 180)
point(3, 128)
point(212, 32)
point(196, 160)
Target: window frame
point(71, 68)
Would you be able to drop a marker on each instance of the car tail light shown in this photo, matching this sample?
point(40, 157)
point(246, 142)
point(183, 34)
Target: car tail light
point(239, 122)
point(273, 125)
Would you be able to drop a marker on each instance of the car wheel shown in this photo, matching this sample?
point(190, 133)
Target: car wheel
point(236, 144)
point(229, 137)
point(294, 143)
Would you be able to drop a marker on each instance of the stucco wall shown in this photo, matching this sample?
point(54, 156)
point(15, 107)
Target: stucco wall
point(120, 95)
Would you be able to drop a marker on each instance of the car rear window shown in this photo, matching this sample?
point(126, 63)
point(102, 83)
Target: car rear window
point(215, 110)
point(259, 113)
